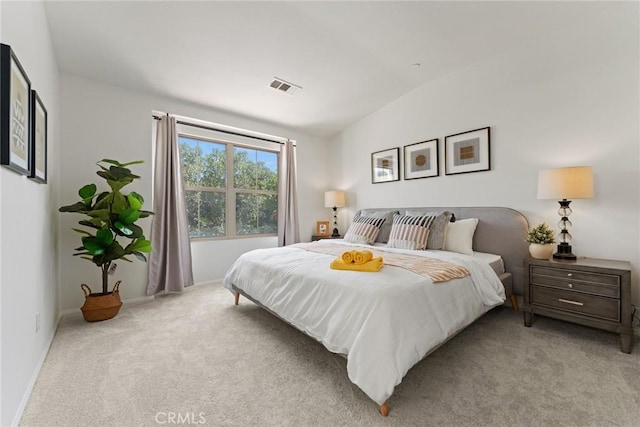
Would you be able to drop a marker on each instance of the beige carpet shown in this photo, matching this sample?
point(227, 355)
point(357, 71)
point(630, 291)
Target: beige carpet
point(196, 358)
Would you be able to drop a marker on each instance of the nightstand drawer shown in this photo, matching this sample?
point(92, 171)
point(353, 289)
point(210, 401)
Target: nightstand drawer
point(605, 308)
point(612, 291)
point(583, 276)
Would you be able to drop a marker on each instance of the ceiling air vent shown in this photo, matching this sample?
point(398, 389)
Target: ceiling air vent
point(284, 86)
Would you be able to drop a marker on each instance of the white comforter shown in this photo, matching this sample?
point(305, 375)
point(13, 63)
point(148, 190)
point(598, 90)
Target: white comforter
point(384, 322)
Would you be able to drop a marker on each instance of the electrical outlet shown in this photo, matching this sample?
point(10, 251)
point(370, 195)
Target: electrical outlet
point(112, 269)
point(37, 322)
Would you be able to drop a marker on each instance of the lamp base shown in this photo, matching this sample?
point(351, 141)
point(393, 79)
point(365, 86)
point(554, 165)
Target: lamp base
point(335, 233)
point(564, 252)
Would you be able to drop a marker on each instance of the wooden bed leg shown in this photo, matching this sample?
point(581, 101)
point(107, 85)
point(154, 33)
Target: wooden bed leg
point(514, 302)
point(384, 409)
point(237, 297)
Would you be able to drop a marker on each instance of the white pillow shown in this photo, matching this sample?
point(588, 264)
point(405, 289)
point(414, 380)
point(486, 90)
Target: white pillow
point(459, 236)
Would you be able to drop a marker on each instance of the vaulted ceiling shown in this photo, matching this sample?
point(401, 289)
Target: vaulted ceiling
point(350, 58)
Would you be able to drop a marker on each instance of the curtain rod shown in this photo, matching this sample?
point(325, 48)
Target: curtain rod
point(180, 122)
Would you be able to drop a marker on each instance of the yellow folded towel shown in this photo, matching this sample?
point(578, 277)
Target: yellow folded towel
point(362, 256)
point(372, 266)
point(348, 256)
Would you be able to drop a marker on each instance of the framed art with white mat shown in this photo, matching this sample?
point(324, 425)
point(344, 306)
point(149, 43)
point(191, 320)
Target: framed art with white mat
point(467, 152)
point(38, 139)
point(421, 160)
point(385, 165)
point(15, 111)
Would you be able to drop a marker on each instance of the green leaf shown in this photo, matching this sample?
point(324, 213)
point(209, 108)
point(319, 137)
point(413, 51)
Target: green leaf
point(87, 258)
point(116, 185)
point(120, 173)
point(89, 224)
point(102, 214)
point(144, 214)
point(102, 201)
point(104, 174)
point(137, 231)
point(117, 163)
point(140, 245)
point(135, 162)
point(122, 228)
point(135, 200)
point(119, 203)
point(129, 216)
point(93, 247)
point(124, 258)
point(104, 237)
point(113, 162)
point(88, 191)
point(82, 231)
point(113, 252)
point(78, 207)
point(140, 256)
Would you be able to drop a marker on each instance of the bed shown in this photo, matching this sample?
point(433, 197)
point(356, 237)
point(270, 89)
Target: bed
point(386, 322)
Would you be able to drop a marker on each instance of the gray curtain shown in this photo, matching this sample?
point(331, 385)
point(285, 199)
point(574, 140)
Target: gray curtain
point(288, 232)
point(170, 261)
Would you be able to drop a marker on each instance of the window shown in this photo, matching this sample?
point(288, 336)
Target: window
point(231, 190)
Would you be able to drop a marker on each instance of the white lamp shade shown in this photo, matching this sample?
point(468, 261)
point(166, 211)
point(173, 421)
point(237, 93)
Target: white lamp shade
point(566, 183)
point(334, 198)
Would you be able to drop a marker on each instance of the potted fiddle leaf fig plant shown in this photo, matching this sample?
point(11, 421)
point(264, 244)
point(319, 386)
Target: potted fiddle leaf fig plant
point(110, 233)
point(541, 239)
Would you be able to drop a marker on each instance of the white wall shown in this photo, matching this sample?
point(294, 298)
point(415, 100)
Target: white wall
point(29, 271)
point(104, 121)
point(568, 98)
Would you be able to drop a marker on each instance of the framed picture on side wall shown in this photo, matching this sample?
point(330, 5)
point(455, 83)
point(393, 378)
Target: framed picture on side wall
point(15, 113)
point(385, 165)
point(38, 139)
point(421, 160)
point(467, 152)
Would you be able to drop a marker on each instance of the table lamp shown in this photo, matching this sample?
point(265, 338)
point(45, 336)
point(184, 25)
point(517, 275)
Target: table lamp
point(565, 183)
point(335, 200)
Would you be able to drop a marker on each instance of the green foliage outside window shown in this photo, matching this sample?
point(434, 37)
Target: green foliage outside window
point(254, 188)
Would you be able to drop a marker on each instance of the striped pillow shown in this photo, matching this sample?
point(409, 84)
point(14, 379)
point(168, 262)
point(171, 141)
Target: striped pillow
point(364, 230)
point(438, 227)
point(410, 232)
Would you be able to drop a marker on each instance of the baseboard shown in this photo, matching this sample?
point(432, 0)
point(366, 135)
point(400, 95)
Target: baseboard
point(34, 377)
point(209, 282)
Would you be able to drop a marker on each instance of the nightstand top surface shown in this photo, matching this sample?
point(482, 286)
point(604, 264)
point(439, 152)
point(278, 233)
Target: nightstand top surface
point(583, 262)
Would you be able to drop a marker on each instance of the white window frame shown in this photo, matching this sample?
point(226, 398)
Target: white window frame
point(230, 141)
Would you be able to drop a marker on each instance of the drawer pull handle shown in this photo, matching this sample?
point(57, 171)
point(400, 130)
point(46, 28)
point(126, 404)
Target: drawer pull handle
point(570, 302)
point(570, 285)
point(569, 274)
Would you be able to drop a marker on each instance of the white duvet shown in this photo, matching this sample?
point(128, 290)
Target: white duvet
point(384, 322)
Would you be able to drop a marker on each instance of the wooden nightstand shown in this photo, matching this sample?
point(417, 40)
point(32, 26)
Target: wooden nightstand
point(314, 238)
point(589, 291)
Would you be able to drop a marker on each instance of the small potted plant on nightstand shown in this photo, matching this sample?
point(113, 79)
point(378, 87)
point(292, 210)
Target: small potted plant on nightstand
point(541, 241)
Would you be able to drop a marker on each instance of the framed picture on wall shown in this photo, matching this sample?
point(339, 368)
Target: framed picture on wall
point(385, 165)
point(15, 112)
point(467, 152)
point(38, 139)
point(421, 160)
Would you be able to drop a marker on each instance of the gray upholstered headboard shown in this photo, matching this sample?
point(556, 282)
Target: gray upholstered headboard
point(500, 231)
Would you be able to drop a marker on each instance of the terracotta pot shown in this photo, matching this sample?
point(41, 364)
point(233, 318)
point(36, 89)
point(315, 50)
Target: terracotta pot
point(99, 306)
point(538, 251)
